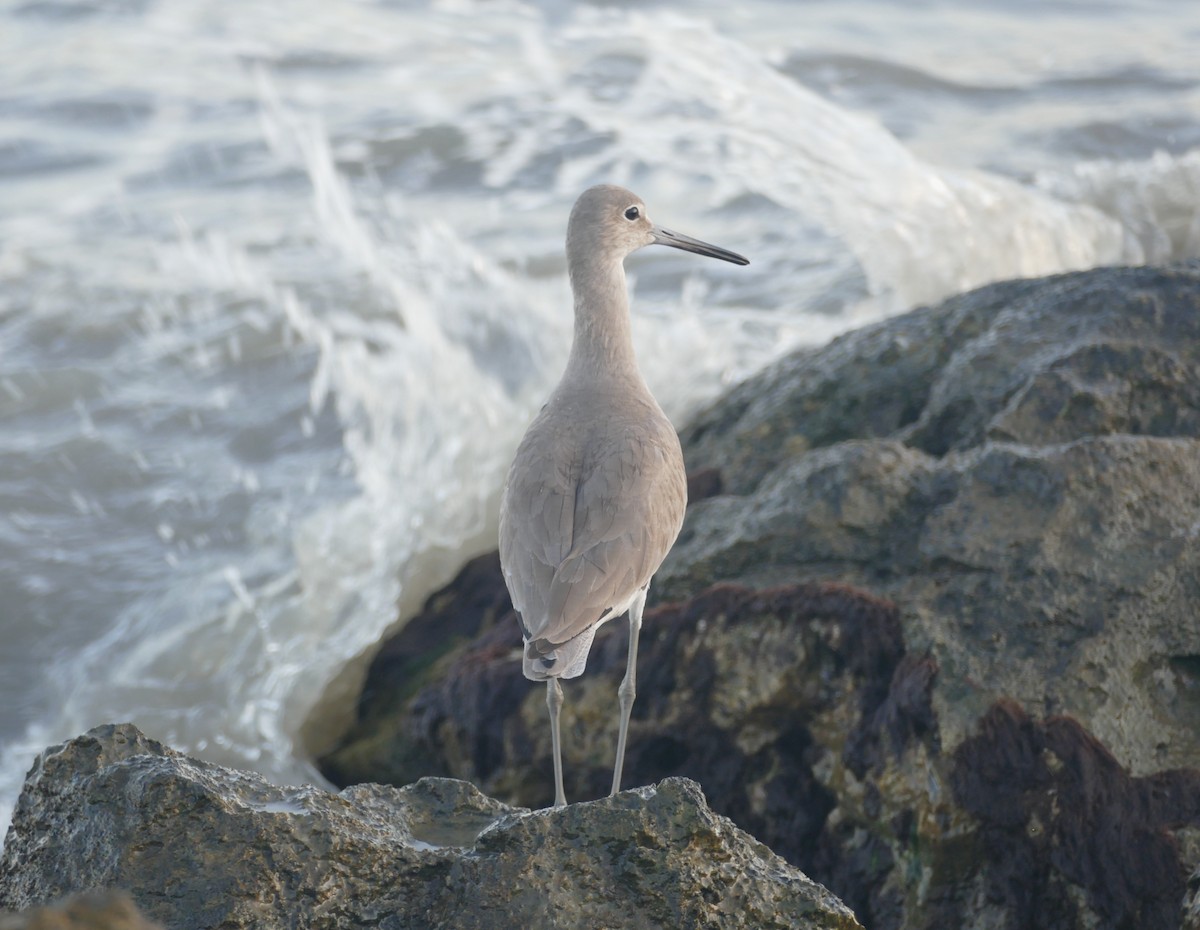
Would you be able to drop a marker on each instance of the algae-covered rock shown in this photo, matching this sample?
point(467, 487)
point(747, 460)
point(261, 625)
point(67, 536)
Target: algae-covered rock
point(750, 690)
point(1019, 469)
point(1064, 576)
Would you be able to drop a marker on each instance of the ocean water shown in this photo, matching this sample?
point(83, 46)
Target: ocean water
point(281, 284)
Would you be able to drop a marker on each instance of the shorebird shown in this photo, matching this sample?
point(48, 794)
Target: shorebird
point(596, 493)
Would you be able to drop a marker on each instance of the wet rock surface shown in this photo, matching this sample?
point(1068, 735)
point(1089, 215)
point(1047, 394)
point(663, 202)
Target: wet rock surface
point(933, 637)
point(198, 845)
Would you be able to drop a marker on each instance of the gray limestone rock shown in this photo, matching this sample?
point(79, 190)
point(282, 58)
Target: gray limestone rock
point(198, 845)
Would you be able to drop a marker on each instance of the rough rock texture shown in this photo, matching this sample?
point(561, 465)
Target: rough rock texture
point(748, 690)
point(1063, 576)
point(1014, 743)
point(1036, 512)
point(198, 845)
point(91, 910)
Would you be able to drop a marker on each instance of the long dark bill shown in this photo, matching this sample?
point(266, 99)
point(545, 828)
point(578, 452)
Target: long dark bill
point(688, 244)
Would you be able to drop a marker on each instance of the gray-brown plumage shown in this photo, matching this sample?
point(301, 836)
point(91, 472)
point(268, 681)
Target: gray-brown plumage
point(597, 490)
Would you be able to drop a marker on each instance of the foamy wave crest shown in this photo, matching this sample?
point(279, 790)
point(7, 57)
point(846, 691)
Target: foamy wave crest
point(434, 371)
point(1157, 200)
point(673, 123)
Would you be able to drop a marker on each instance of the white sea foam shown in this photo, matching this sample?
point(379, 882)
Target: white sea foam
point(1156, 200)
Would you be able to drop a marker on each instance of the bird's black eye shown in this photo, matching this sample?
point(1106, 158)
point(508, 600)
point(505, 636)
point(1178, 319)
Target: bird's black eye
point(632, 213)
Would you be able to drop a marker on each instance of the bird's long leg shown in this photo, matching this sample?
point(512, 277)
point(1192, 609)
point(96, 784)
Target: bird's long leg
point(554, 700)
point(628, 690)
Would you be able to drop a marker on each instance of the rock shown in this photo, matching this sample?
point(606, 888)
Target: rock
point(1008, 486)
point(1113, 350)
point(1033, 506)
point(384, 744)
point(1049, 792)
point(91, 910)
point(1038, 518)
point(746, 689)
point(198, 845)
point(1063, 576)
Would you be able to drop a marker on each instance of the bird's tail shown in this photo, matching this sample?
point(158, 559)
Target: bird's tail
point(544, 659)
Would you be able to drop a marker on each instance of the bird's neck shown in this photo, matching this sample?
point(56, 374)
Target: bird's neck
point(603, 344)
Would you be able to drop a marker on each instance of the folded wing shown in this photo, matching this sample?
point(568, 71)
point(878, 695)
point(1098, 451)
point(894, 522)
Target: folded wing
point(580, 535)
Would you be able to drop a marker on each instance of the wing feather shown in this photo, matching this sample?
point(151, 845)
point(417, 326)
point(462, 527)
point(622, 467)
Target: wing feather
point(583, 529)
